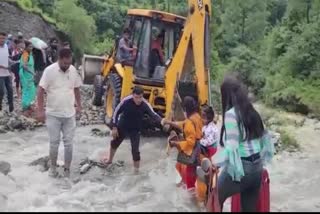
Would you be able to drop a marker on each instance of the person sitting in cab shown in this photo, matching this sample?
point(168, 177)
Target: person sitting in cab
point(125, 53)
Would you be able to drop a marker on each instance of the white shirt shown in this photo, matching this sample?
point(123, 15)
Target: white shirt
point(59, 87)
point(210, 135)
point(4, 60)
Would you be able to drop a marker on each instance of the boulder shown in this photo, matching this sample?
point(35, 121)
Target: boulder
point(5, 167)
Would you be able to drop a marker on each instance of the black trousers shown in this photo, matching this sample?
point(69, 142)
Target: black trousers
point(6, 86)
point(248, 187)
point(134, 138)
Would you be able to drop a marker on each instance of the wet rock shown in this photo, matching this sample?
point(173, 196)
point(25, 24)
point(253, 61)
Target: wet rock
point(85, 168)
point(2, 130)
point(15, 123)
point(5, 167)
point(43, 163)
point(87, 164)
point(100, 133)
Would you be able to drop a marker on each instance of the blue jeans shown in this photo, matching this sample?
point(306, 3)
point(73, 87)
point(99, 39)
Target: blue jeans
point(56, 126)
point(6, 85)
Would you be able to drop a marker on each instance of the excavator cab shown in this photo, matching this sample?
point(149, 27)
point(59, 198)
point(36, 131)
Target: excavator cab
point(155, 41)
point(170, 60)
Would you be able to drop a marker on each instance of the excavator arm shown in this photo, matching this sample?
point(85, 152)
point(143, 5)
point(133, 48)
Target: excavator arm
point(192, 57)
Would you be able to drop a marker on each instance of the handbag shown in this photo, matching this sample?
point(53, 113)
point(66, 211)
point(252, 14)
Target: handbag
point(193, 159)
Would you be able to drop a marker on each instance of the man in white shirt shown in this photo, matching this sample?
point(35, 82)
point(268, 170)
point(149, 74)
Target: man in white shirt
point(5, 76)
point(61, 82)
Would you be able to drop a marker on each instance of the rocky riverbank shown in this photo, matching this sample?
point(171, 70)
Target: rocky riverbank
point(90, 115)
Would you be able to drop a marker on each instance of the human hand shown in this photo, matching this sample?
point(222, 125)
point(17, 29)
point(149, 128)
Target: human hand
point(115, 133)
point(165, 122)
point(78, 109)
point(174, 143)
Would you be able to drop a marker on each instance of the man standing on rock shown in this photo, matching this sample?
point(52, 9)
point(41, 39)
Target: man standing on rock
point(61, 82)
point(132, 110)
point(5, 76)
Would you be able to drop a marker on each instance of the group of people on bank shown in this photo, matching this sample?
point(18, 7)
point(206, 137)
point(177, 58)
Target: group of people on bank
point(22, 63)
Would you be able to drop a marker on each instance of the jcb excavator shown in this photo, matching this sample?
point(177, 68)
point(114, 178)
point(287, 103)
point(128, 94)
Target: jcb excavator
point(177, 67)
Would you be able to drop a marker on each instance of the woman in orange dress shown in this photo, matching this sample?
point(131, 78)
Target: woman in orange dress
point(192, 132)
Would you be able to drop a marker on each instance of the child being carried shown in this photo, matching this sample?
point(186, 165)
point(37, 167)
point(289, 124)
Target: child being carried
point(210, 132)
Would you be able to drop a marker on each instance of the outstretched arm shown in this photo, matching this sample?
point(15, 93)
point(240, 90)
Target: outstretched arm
point(152, 113)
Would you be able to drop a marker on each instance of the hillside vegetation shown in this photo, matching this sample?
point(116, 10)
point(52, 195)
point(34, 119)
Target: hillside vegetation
point(273, 44)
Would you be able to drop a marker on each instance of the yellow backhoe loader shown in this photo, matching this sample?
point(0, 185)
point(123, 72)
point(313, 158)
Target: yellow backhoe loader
point(171, 60)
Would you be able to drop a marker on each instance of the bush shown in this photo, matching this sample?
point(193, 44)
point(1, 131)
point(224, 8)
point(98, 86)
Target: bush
point(288, 142)
point(25, 4)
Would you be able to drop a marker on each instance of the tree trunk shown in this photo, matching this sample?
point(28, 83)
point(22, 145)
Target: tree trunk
point(308, 10)
point(243, 25)
point(154, 4)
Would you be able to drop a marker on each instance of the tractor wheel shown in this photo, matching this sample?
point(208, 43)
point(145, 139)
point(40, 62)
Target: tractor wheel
point(113, 96)
point(98, 90)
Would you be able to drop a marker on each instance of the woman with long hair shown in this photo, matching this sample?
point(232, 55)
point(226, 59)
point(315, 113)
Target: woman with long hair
point(26, 74)
point(245, 146)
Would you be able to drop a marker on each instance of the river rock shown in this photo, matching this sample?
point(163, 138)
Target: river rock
point(5, 167)
point(2, 130)
point(43, 163)
point(15, 123)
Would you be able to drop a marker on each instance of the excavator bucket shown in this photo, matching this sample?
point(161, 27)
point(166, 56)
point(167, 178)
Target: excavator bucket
point(91, 66)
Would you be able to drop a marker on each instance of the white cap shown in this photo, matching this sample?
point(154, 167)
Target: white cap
point(20, 34)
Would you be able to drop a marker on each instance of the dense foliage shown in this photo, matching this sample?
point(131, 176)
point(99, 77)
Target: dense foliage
point(273, 44)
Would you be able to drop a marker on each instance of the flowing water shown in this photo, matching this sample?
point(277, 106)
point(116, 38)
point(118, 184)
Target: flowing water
point(295, 177)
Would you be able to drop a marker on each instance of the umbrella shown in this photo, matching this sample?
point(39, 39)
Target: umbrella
point(38, 43)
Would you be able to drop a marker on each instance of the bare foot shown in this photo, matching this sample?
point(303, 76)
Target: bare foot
point(136, 171)
point(105, 160)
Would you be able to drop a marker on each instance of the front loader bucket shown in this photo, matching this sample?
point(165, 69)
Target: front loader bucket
point(91, 66)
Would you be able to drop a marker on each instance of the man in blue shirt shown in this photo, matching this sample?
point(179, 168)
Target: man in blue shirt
point(125, 52)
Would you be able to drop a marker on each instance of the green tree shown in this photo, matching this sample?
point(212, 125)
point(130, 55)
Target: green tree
point(75, 22)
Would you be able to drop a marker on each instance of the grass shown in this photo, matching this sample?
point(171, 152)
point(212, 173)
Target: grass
point(288, 142)
point(277, 120)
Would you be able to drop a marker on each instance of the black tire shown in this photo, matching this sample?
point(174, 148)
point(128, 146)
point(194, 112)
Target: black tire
point(98, 90)
point(114, 83)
